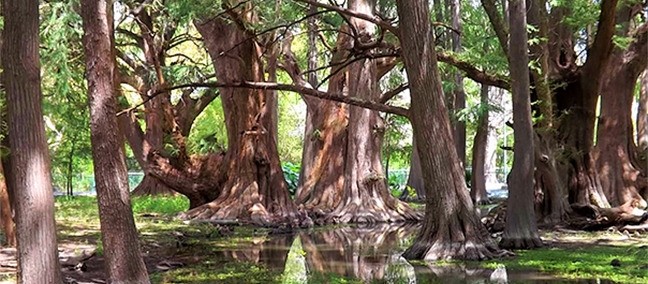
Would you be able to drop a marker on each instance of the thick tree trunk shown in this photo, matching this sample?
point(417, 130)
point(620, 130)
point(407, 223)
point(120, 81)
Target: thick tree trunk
point(616, 152)
point(6, 216)
point(451, 229)
point(124, 262)
point(521, 230)
point(30, 181)
point(254, 189)
point(346, 182)
point(478, 192)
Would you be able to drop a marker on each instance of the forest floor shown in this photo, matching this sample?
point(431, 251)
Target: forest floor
point(178, 252)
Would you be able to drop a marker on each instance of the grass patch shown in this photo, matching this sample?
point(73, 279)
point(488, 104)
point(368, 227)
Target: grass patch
point(585, 262)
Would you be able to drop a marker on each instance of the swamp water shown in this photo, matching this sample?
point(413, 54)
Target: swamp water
point(350, 255)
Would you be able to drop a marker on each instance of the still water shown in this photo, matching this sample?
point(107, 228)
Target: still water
point(367, 254)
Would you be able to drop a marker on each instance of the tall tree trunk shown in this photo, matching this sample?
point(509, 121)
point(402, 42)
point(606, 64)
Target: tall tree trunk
point(496, 121)
point(325, 141)
point(365, 195)
point(478, 178)
point(254, 189)
point(521, 231)
point(616, 152)
point(124, 262)
point(8, 224)
point(31, 181)
point(577, 100)
point(459, 94)
point(451, 228)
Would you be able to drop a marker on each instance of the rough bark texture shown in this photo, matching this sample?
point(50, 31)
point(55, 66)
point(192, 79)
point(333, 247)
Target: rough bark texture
point(124, 262)
point(577, 102)
point(365, 195)
point(254, 189)
point(478, 192)
point(8, 224)
point(616, 152)
point(521, 231)
point(30, 180)
point(325, 143)
point(451, 229)
point(343, 178)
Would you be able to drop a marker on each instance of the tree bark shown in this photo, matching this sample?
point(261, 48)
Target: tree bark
point(459, 94)
point(254, 190)
point(478, 178)
point(616, 152)
point(30, 181)
point(365, 195)
point(451, 229)
point(124, 262)
point(521, 230)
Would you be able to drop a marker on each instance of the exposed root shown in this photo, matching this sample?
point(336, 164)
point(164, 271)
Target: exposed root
point(373, 210)
point(247, 208)
point(521, 243)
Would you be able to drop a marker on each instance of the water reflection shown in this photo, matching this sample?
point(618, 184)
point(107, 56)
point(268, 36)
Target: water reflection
point(370, 254)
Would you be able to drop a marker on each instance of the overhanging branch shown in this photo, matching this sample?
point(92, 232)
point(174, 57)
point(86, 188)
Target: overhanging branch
point(473, 73)
point(282, 87)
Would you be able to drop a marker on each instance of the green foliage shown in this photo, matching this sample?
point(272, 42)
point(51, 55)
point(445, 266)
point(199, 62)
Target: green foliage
point(208, 133)
point(291, 173)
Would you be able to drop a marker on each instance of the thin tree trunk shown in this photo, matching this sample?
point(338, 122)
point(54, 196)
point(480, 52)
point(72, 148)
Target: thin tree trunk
point(478, 178)
point(31, 181)
point(459, 94)
point(521, 230)
point(451, 228)
point(124, 262)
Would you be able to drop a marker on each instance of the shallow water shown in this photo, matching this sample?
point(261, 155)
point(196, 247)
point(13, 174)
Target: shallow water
point(369, 254)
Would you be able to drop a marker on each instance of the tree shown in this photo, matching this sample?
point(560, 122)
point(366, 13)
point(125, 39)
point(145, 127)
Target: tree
point(343, 178)
point(521, 230)
point(250, 184)
point(616, 152)
point(30, 180)
point(451, 229)
point(459, 96)
point(478, 192)
point(124, 262)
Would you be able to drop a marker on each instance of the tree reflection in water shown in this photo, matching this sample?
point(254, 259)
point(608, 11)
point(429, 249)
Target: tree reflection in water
point(370, 253)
